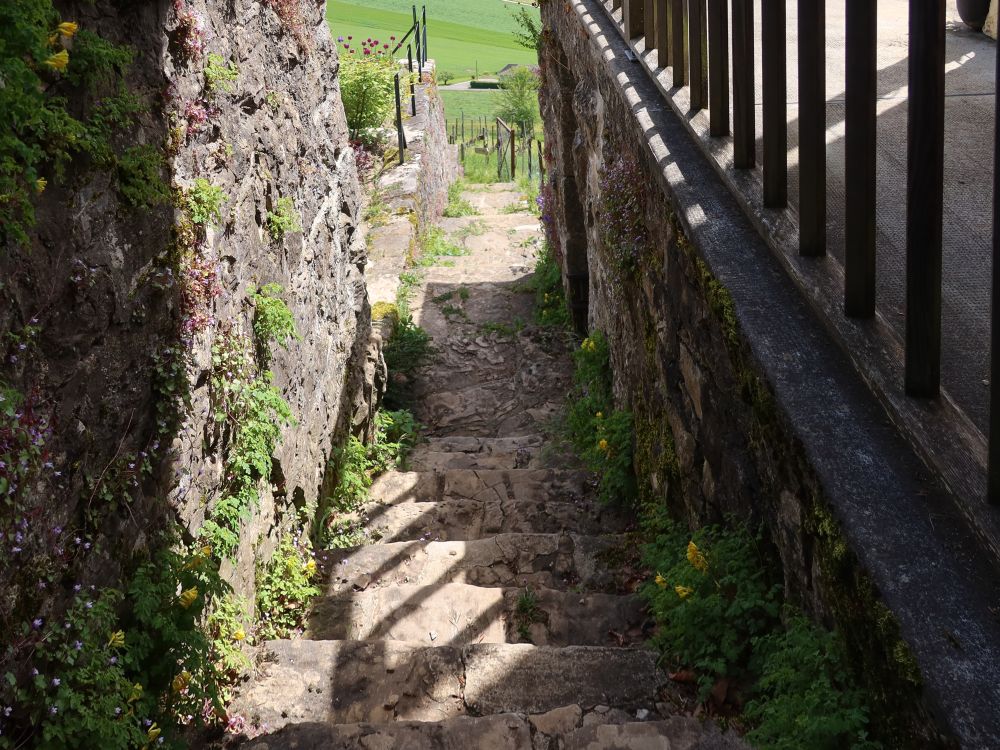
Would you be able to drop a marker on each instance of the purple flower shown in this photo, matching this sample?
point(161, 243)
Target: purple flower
point(37, 623)
point(118, 711)
point(15, 550)
point(56, 682)
point(34, 672)
point(113, 660)
point(78, 645)
point(53, 710)
point(77, 587)
point(340, 38)
point(89, 605)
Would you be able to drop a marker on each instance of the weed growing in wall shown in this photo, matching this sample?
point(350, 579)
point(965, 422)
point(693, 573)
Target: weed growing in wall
point(290, 14)
point(551, 308)
point(191, 35)
point(285, 587)
point(457, 205)
point(204, 202)
point(273, 323)
point(220, 75)
point(409, 348)
point(601, 434)
point(284, 219)
point(621, 214)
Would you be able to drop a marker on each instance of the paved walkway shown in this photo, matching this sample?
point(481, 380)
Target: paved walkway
point(485, 616)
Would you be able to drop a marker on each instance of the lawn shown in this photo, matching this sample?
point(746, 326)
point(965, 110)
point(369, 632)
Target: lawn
point(463, 36)
point(474, 104)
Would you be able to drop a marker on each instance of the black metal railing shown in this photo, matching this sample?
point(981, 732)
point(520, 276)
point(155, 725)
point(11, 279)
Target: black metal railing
point(693, 38)
point(418, 30)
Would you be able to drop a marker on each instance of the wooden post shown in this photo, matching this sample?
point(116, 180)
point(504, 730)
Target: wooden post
point(993, 465)
point(924, 197)
point(744, 110)
point(698, 44)
point(661, 34)
point(632, 18)
point(812, 127)
point(775, 104)
point(678, 41)
point(718, 67)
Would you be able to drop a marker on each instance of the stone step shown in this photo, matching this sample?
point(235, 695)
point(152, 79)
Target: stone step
point(509, 407)
point(345, 682)
point(567, 727)
point(555, 561)
point(564, 485)
point(464, 520)
point(458, 613)
point(466, 452)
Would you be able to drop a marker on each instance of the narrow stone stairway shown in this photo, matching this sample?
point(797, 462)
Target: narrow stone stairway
point(485, 615)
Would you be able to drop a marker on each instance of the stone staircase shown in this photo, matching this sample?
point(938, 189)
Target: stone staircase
point(486, 614)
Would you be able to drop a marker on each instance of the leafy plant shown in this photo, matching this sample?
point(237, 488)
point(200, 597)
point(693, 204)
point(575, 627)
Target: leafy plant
point(367, 85)
point(517, 100)
point(204, 202)
point(529, 31)
point(139, 176)
point(408, 349)
point(550, 298)
point(457, 205)
point(601, 434)
point(283, 219)
point(273, 322)
point(621, 214)
point(804, 696)
point(710, 598)
point(220, 75)
point(285, 587)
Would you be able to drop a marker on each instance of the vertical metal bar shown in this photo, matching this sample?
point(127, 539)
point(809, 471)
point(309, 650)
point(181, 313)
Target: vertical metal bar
point(632, 18)
point(718, 67)
point(678, 42)
point(423, 27)
point(399, 123)
point(859, 145)
point(744, 87)
point(812, 127)
point(698, 44)
point(531, 161)
point(413, 86)
point(661, 37)
point(924, 197)
point(420, 55)
point(993, 464)
point(775, 104)
point(513, 155)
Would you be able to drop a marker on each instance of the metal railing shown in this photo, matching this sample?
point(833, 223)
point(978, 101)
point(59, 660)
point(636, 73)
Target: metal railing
point(693, 38)
point(479, 135)
point(418, 30)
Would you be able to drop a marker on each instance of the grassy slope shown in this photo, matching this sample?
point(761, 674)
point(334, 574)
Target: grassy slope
point(475, 31)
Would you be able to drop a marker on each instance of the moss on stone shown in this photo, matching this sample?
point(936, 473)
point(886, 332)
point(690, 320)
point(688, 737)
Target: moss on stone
point(385, 310)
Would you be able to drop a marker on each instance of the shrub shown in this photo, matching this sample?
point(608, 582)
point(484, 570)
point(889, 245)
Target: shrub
point(219, 75)
point(139, 176)
point(550, 297)
point(204, 202)
point(517, 102)
point(283, 219)
point(285, 587)
point(367, 85)
point(408, 349)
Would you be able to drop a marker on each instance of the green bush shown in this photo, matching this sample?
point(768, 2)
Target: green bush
point(204, 202)
point(139, 176)
point(550, 297)
point(517, 103)
point(283, 219)
point(220, 75)
point(273, 322)
point(408, 349)
point(805, 697)
point(367, 86)
point(601, 435)
point(285, 588)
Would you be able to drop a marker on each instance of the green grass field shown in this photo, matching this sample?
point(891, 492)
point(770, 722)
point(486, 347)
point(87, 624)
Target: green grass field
point(461, 34)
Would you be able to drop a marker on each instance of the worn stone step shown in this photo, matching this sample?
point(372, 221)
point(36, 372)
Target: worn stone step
point(345, 682)
point(567, 485)
point(567, 727)
point(459, 613)
point(555, 561)
point(463, 520)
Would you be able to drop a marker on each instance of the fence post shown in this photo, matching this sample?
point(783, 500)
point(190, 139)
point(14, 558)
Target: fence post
point(698, 58)
point(993, 464)
point(925, 197)
point(775, 104)
point(744, 114)
point(531, 165)
point(859, 161)
point(718, 67)
point(513, 155)
point(423, 27)
point(632, 18)
point(413, 85)
point(812, 127)
point(660, 32)
point(399, 122)
point(678, 44)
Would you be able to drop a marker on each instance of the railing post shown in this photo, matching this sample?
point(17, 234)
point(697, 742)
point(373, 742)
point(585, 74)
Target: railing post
point(812, 127)
point(648, 27)
point(678, 41)
point(413, 86)
point(718, 67)
point(744, 107)
point(513, 155)
point(924, 197)
point(399, 123)
point(531, 161)
point(698, 44)
point(775, 104)
point(423, 28)
point(993, 463)
point(859, 145)
point(632, 19)
point(660, 33)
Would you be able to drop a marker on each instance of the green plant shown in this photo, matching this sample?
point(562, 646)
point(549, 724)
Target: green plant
point(408, 349)
point(601, 434)
point(621, 214)
point(527, 612)
point(517, 101)
point(435, 245)
point(395, 436)
point(805, 697)
point(283, 219)
point(204, 202)
point(710, 598)
point(219, 75)
point(457, 205)
point(273, 322)
point(227, 627)
point(550, 299)
point(529, 31)
point(139, 176)
point(285, 587)
point(367, 89)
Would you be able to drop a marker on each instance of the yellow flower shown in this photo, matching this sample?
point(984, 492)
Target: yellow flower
point(117, 639)
point(683, 591)
point(311, 567)
point(67, 28)
point(136, 693)
point(153, 732)
point(661, 581)
point(600, 415)
point(188, 597)
point(58, 61)
point(239, 635)
point(206, 551)
point(603, 445)
point(696, 558)
point(40, 184)
point(181, 681)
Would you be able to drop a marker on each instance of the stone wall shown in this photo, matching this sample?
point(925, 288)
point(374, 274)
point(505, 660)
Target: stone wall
point(712, 441)
point(117, 354)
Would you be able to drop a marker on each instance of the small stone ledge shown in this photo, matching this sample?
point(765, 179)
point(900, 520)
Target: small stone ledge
point(846, 499)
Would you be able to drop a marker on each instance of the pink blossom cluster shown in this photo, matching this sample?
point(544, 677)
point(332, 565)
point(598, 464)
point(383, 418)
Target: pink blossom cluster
point(192, 31)
point(199, 286)
point(369, 47)
point(197, 113)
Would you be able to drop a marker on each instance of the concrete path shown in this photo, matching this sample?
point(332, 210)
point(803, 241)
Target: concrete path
point(486, 616)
